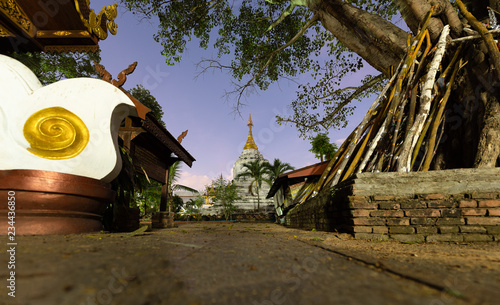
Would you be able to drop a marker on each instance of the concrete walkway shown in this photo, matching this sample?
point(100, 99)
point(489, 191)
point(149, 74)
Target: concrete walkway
point(247, 263)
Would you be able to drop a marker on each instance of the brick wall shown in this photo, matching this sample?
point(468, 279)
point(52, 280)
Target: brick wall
point(452, 205)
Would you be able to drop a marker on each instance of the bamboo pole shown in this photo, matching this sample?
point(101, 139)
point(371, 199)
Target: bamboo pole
point(392, 106)
point(431, 119)
point(423, 58)
point(402, 66)
point(360, 152)
point(358, 132)
point(467, 38)
point(437, 120)
point(354, 154)
point(404, 164)
point(422, 135)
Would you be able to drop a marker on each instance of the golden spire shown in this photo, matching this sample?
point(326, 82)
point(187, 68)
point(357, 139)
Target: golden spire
point(250, 143)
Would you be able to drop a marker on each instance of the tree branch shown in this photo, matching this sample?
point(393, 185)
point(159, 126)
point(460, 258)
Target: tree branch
point(376, 40)
point(240, 89)
point(324, 122)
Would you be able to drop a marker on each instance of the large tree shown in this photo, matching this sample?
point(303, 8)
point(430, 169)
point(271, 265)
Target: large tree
point(278, 39)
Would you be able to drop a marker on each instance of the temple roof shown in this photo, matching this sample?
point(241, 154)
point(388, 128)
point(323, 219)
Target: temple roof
point(154, 148)
point(297, 176)
point(54, 26)
point(250, 144)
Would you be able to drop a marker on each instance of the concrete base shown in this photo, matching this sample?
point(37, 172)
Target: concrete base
point(163, 220)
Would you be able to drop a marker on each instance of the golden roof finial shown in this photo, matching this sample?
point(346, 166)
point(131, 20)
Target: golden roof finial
point(250, 144)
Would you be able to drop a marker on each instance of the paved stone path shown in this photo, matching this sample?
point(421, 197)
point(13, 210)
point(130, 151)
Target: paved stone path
point(247, 263)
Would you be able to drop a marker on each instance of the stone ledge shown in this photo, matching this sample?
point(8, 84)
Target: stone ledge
point(408, 238)
point(449, 215)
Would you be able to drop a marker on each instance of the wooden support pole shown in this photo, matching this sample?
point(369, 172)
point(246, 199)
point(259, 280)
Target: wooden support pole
point(405, 158)
point(485, 34)
point(164, 194)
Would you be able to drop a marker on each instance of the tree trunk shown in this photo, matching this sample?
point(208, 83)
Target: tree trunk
point(258, 199)
point(414, 12)
point(471, 135)
point(489, 141)
point(373, 38)
point(483, 89)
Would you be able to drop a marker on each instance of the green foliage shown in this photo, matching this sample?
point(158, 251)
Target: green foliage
point(256, 170)
point(254, 48)
point(182, 20)
point(262, 51)
point(177, 203)
point(52, 67)
point(384, 8)
point(148, 100)
point(275, 169)
point(148, 192)
point(224, 194)
point(194, 205)
point(147, 196)
point(174, 174)
point(319, 239)
point(321, 147)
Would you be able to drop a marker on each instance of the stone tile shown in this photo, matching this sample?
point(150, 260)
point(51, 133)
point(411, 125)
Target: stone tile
point(478, 237)
point(483, 221)
point(444, 238)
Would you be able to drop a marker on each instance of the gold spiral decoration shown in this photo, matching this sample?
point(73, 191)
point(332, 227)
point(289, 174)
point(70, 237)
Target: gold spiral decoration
point(55, 133)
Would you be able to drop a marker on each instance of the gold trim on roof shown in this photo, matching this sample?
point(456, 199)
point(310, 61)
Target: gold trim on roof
point(250, 144)
point(11, 9)
point(93, 23)
point(71, 48)
point(62, 34)
point(4, 32)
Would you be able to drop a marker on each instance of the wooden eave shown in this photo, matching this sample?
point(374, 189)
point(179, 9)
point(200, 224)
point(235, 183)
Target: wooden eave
point(296, 176)
point(151, 125)
point(25, 25)
point(155, 149)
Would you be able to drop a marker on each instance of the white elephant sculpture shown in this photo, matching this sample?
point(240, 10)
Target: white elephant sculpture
point(70, 126)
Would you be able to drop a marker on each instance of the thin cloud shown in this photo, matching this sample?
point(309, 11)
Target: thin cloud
point(198, 182)
point(340, 141)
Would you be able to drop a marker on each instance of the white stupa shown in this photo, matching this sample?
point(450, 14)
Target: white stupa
point(249, 202)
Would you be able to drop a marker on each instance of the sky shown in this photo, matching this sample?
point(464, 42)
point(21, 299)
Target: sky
point(216, 135)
